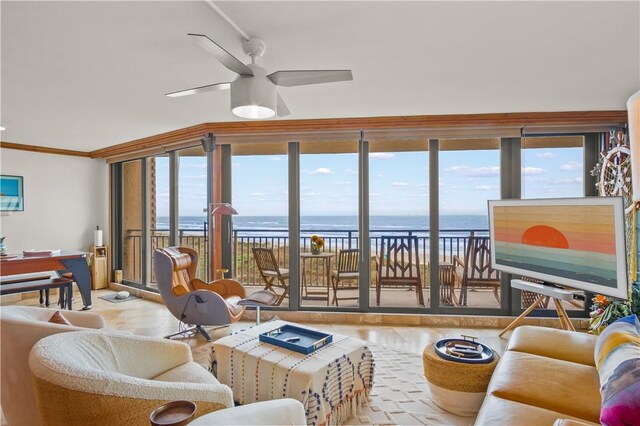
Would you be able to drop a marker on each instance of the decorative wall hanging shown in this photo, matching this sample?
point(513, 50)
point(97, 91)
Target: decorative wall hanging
point(11, 193)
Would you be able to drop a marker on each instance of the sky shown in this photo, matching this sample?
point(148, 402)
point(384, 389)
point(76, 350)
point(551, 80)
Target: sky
point(399, 182)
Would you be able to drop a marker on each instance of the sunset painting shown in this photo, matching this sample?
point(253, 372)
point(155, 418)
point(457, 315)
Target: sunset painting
point(572, 240)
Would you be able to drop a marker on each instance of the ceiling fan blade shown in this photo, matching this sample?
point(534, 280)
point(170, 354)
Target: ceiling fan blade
point(282, 107)
point(201, 89)
point(225, 58)
point(290, 78)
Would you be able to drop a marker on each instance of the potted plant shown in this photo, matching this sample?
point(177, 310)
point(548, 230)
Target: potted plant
point(606, 310)
point(316, 244)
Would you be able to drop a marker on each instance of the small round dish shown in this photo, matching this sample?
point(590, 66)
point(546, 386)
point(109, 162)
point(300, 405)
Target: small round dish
point(174, 413)
point(464, 351)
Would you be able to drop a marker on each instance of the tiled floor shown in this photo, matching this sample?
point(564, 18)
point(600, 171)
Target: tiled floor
point(153, 319)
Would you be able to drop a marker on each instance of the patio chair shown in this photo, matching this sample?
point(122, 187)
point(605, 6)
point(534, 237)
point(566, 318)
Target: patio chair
point(448, 280)
point(347, 271)
point(272, 275)
point(399, 265)
point(475, 269)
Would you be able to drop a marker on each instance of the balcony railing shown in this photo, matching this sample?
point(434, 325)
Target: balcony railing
point(452, 242)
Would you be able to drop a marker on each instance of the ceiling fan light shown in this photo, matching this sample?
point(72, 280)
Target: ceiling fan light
point(255, 112)
point(253, 97)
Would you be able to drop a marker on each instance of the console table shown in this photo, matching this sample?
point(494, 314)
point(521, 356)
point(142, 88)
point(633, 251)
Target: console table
point(63, 262)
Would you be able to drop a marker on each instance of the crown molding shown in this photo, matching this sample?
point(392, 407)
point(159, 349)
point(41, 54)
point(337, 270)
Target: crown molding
point(44, 149)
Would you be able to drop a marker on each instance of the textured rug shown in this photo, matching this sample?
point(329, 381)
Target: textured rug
point(400, 395)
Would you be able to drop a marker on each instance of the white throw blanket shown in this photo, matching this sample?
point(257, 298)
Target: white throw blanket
point(332, 382)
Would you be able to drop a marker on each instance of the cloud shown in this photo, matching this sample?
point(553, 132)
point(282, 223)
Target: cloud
point(485, 187)
point(566, 181)
point(571, 166)
point(546, 154)
point(321, 171)
point(311, 194)
point(400, 184)
point(343, 183)
point(381, 176)
point(350, 172)
point(423, 185)
point(235, 165)
point(382, 155)
point(475, 171)
point(195, 177)
point(258, 194)
point(532, 170)
point(374, 194)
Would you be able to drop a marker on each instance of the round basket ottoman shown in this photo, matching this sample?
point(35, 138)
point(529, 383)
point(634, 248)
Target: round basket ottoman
point(456, 387)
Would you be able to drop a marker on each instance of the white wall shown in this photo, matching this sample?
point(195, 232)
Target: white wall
point(64, 199)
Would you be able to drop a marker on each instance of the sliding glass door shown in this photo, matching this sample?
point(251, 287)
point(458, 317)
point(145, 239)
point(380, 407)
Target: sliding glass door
point(259, 176)
point(329, 257)
point(399, 224)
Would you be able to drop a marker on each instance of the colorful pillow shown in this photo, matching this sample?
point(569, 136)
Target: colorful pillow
point(617, 357)
point(58, 318)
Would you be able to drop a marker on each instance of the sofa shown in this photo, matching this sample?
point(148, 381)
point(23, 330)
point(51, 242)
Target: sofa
point(548, 376)
point(20, 328)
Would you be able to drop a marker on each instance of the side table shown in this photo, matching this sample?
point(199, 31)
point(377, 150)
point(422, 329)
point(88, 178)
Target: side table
point(456, 387)
point(326, 260)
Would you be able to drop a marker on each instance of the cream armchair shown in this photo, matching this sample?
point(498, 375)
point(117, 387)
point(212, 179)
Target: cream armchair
point(20, 328)
point(90, 378)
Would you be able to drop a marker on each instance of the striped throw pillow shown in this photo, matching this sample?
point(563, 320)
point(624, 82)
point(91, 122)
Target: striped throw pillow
point(617, 357)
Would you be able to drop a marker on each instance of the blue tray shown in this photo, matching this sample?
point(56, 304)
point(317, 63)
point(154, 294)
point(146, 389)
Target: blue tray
point(309, 340)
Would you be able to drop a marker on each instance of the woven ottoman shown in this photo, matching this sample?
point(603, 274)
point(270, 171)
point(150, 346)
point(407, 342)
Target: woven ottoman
point(456, 387)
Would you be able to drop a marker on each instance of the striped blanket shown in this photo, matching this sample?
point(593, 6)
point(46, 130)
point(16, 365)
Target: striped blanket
point(332, 382)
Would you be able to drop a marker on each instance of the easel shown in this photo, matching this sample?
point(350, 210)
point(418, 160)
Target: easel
point(545, 292)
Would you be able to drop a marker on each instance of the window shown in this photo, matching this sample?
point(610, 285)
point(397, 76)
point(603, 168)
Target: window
point(329, 209)
point(260, 195)
point(469, 177)
point(399, 219)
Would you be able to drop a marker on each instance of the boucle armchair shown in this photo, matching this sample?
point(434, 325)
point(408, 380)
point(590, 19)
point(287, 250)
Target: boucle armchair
point(190, 299)
point(90, 378)
point(20, 328)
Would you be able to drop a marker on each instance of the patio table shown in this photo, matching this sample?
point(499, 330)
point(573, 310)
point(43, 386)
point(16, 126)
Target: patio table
point(326, 260)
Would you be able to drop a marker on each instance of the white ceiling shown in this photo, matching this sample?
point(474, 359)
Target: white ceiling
point(86, 75)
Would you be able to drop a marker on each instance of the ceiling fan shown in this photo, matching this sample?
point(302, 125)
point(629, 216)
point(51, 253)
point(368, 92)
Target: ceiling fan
point(253, 92)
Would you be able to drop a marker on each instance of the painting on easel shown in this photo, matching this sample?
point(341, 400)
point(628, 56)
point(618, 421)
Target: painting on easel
point(577, 242)
point(11, 193)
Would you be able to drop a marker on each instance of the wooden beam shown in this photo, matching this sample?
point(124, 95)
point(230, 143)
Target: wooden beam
point(43, 149)
point(416, 127)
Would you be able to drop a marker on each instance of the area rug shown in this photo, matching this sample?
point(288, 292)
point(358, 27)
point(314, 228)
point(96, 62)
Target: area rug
point(112, 298)
point(400, 395)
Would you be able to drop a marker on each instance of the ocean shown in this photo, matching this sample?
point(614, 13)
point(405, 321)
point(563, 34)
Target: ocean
point(338, 225)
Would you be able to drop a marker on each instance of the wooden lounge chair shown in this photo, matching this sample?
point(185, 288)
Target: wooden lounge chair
point(475, 269)
point(448, 279)
point(399, 265)
point(347, 271)
point(272, 275)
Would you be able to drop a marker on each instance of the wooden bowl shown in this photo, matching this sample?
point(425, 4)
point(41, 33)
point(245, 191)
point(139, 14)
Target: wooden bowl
point(174, 413)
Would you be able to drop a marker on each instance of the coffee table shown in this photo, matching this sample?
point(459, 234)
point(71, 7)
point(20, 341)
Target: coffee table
point(332, 383)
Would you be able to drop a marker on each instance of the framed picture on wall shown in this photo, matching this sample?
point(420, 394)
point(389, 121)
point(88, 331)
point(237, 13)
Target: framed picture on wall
point(11, 193)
